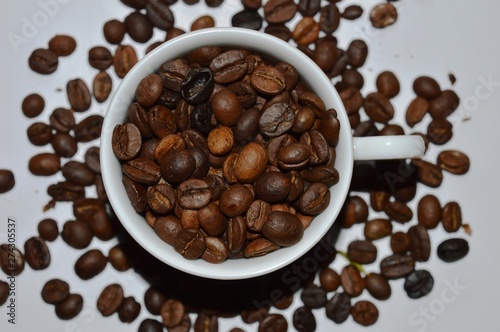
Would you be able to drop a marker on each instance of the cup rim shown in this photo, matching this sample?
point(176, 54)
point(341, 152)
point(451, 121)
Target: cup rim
point(121, 100)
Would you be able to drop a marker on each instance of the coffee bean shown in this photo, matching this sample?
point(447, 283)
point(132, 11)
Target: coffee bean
point(418, 284)
point(197, 86)
point(70, 307)
point(126, 141)
point(4, 292)
point(172, 313)
point(377, 228)
point(453, 249)
point(426, 87)
point(117, 257)
point(247, 18)
point(153, 300)
point(416, 111)
point(136, 193)
point(352, 12)
point(100, 58)
point(365, 313)
point(138, 27)
point(351, 280)
point(452, 217)
point(338, 308)
point(378, 107)
point(362, 251)
point(429, 211)
point(329, 279)
point(276, 120)
point(453, 161)
point(329, 19)
point(7, 180)
point(43, 61)
point(378, 286)
point(383, 15)
point(92, 159)
point(137, 4)
point(129, 310)
point(124, 59)
point(64, 145)
point(37, 253)
point(114, 31)
point(33, 105)
point(77, 234)
point(44, 164)
point(203, 22)
point(279, 11)
point(313, 297)
point(397, 266)
point(101, 86)
point(229, 66)
point(440, 131)
point(357, 52)
point(400, 242)
point(160, 15)
point(259, 247)
point(398, 211)
point(90, 264)
point(388, 84)
point(62, 45)
point(55, 291)
point(444, 104)
point(420, 245)
point(78, 173)
point(110, 299)
point(428, 173)
point(190, 243)
point(162, 121)
point(150, 325)
point(279, 30)
point(251, 163)
point(48, 229)
point(304, 320)
point(62, 120)
point(352, 99)
point(306, 31)
point(315, 199)
point(11, 260)
point(273, 322)
point(78, 95)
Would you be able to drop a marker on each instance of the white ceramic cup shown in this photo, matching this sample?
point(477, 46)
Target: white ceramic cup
point(348, 150)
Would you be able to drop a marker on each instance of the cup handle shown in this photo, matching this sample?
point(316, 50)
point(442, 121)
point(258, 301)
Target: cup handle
point(388, 147)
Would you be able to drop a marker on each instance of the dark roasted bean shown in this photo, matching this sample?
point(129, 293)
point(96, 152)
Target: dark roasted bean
point(453, 249)
point(419, 283)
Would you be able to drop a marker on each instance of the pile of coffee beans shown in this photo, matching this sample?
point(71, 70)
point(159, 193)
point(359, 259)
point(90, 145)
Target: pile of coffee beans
point(387, 189)
point(227, 154)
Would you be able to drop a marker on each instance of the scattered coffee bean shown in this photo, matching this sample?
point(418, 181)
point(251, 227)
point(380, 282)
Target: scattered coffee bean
point(37, 253)
point(453, 161)
point(452, 217)
point(70, 307)
point(304, 320)
point(90, 264)
point(338, 308)
point(33, 105)
point(7, 180)
point(62, 45)
point(4, 292)
point(11, 260)
point(364, 313)
point(114, 31)
point(48, 229)
point(378, 286)
point(383, 15)
point(454, 249)
point(55, 291)
point(43, 61)
point(110, 299)
point(419, 283)
point(129, 310)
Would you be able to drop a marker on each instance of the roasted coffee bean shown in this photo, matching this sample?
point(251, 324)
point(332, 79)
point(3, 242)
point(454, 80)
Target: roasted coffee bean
point(313, 297)
point(110, 299)
point(453, 249)
point(77, 234)
point(416, 111)
point(206, 323)
point(150, 325)
point(400, 242)
point(11, 260)
point(162, 198)
point(198, 85)
point(124, 59)
point(398, 211)
point(4, 292)
point(100, 58)
point(365, 313)
point(203, 55)
point(397, 266)
point(177, 166)
point(172, 313)
point(420, 245)
point(70, 307)
point(276, 119)
point(138, 27)
point(201, 118)
point(160, 15)
point(338, 308)
point(273, 322)
point(203, 22)
point(388, 84)
point(129, 310)
point(7, 180)
point(44, 164)
point(329, 19)
point(137, 4)
point(440, 131)
point(90, 264)
point(62, 120)
point(452, 217)
point(383, 15)
point(153, 300)
point(357, 52)
point(89, 128)
point(279, 11)
point(84, 208)
point(377, 228)
point(167, 228)
point(55, 291)
point(418, 284)
point(279, 30)
point(236, 233)
point(378, 107)
point(318, 146)
point(114, 31)
point(37, 253)
point(429, 211)
point(453, 161)
point(92, 159)
point(48, 229)
point(426, 87)
point(315, 199)
point(142, 170)
point(351, 280)
point(378, 286)
point(428, 173)
point(64, 145)
point(33, 105)
point(227, 107)
point(362, 252)
point(229, 66)
point(126, 141)
point(273, 186)
point(194, 194)
point(235, 200)
point(352, 77)
point(352, 99)
point(303, 319)
point(216, 251)
point(247, 18)
point(136, 193)
point(309, 7)
point(190, 243)
point(101, 225)
point(117, 257)
point(444, 104)
point(62, 45)
point(161, 121)
point(65, 191)
point(306, 31)
point(329, 279)
point(352, 12)
point(268, 80)
point(43, 61)
point(101, 86)
point(250, 316)
point(259, 247)
point(78, 95)
point(78, 173)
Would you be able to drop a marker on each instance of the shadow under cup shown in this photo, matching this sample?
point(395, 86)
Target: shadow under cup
point(135, 224)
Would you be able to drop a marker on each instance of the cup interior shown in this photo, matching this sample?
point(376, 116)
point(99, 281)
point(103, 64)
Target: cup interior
point(135, 224)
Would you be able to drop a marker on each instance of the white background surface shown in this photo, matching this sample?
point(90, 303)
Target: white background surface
point(430, 38)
